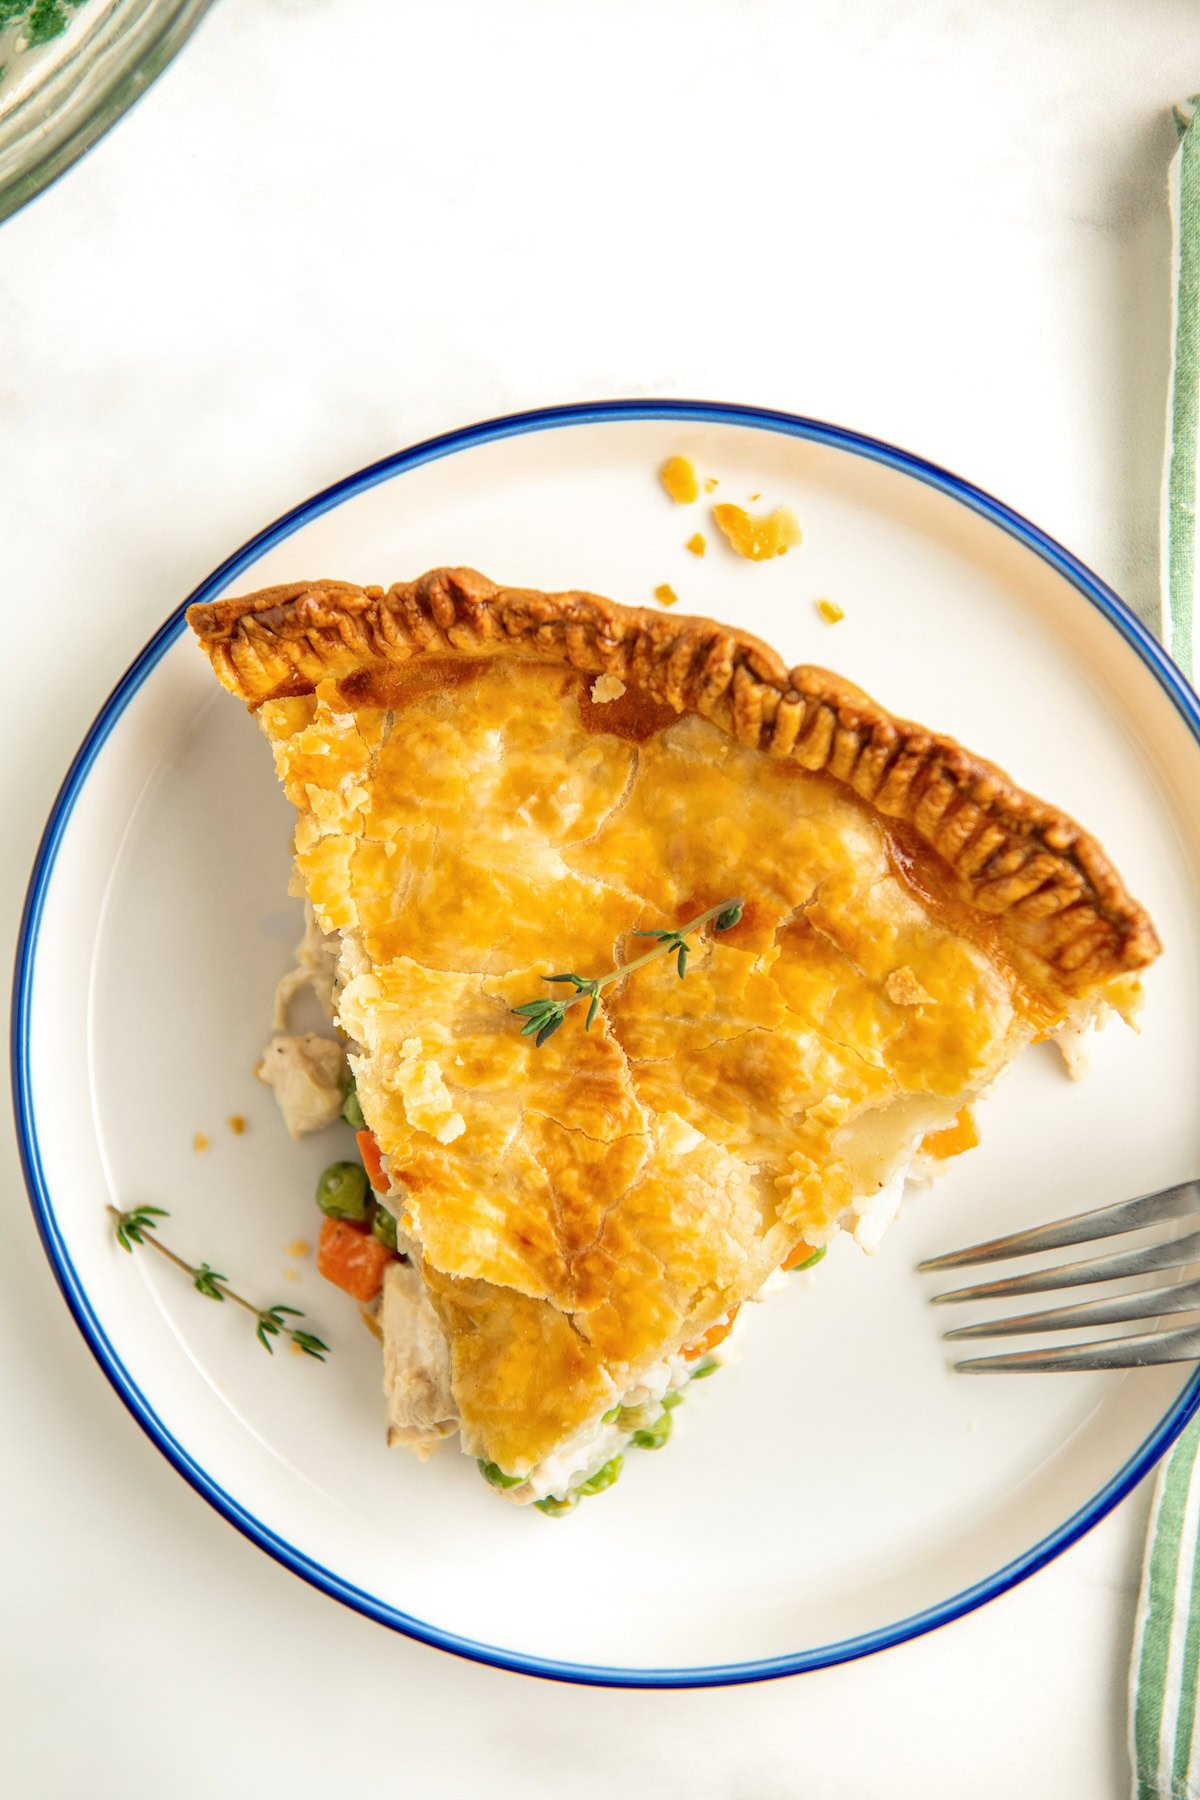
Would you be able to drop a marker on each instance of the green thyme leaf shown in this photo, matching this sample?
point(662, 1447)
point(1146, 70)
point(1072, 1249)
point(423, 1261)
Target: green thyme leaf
point(205, 1282)
point(543, 1017)
point(129, 1228)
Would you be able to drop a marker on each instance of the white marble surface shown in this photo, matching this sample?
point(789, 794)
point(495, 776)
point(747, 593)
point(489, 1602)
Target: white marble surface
point(339, 225)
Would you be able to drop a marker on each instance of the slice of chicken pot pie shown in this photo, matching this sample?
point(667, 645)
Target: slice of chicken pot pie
point(580, 1171)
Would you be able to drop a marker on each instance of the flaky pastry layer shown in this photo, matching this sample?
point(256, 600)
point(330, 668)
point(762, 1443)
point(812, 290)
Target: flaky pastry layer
point(471, 819)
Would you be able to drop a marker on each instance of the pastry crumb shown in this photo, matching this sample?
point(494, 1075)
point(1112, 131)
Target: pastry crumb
point(679, 479)
point(771, 534)
point(289, 1275)
point(607, 687)
point(832, 1111)
point(711, 485)
point(423, 1092)
point(371, 1322)
point(236, 1124)
point(299, 1247)
point(697, 543)
point(666, 594)
point(294, 1347)
point(903, 989)
point(755, 497)
point(829, 610)
point(200, 1141)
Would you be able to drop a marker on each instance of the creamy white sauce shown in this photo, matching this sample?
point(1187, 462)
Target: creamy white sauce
point(776, 1282)
point(579, 1458)
point(574, 1462)
point(875, 1212)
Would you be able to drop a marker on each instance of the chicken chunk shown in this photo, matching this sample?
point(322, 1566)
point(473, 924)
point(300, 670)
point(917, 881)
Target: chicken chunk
point(309, 1076)
point(316, 968)
point(416, 1365)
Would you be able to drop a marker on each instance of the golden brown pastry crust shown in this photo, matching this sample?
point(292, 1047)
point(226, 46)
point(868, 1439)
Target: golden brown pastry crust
point(475, 812)
point(1058, 906)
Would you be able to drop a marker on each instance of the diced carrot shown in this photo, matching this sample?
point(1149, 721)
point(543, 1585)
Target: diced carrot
point(368, 1149)
point(800, 1254)
point(716, 1334)
point(351, 1258)
point(954, 1139)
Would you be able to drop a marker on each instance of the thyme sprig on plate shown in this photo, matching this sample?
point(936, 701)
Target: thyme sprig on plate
point(140, 1225)
point(543, 1017)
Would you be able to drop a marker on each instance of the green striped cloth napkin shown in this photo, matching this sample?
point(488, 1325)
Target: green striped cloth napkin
point(1165, 1674)
point(1179, 489)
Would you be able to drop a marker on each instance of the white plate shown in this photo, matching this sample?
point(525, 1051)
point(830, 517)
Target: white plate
point(837, 1491)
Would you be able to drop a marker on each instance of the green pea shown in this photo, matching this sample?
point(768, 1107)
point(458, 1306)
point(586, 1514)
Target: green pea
point(352, 1112)
point(342, 1191)
point(810, 1262)
point(702, 1370)
point(603, 1478)
point(671, 1401)
point(555, 1509)
point(494, 1475)
point(614, 1412)
point(654, 1436)
point(383, 1226)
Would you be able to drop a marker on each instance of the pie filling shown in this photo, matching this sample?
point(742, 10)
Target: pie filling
point(565, 1225)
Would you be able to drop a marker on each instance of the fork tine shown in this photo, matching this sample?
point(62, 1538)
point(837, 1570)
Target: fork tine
point(1172, 1255)
point(1111, 1353)
point(1159, 1303)
point(1080, 1228)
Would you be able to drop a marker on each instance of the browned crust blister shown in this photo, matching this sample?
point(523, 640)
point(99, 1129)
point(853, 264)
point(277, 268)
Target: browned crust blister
point(1047, 885)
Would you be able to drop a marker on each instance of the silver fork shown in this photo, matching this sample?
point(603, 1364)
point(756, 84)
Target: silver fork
point(1138, 1350)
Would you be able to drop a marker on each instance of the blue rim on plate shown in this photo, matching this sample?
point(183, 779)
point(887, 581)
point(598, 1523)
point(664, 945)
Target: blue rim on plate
point(1093, 590)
